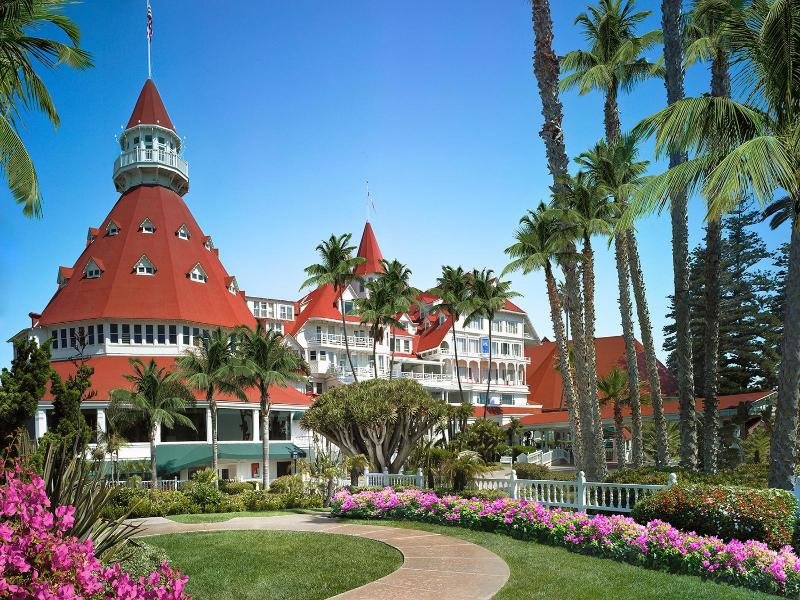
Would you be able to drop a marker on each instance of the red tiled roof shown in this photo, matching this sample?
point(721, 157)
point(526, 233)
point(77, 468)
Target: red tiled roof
point(433, 336)
point(507, 411)
point(544, 380)
point(369, 250)
point(65, 272)
point(169, 294)
point(510, 306)
point(109, 372)
point(149, 108)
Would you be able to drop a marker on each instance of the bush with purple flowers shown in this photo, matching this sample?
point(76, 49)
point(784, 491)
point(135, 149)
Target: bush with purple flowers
point(39, 560)
point(656, 545)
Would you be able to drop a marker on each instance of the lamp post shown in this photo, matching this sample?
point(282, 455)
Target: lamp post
point(294, 455)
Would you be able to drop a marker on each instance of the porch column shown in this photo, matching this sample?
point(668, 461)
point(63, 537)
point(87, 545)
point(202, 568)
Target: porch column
point(208, 425)
point(256, 425)
point(101, 420)
point(40, 423)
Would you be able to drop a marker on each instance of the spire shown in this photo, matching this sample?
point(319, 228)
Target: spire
point(369, 250)
point(149, 109)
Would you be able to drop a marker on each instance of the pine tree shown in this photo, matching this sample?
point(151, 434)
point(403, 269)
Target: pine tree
point(69, 425)
point(23, 385)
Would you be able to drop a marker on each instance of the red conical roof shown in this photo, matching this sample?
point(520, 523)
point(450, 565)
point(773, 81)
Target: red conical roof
point(169, 294)
point(369, 250)
point(149, 109)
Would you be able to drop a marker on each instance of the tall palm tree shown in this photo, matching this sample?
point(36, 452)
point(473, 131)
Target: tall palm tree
point(614, 389)
point(213, 367)
point(592, 213)
point(679, 216)
point(111, 442)
point(21, 87)
point(271, 363)
point(337, 268)
point(158, 398)
point(487, 295)
point(613, 168)
point(396, 278)
point(377, 311)
point(452, 288)
point(750, 146)
point(539, 244)
point(612, 63)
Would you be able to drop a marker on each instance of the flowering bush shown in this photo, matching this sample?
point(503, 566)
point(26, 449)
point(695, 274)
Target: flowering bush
point(767, 515)
point(656, 545)
point(39, 560)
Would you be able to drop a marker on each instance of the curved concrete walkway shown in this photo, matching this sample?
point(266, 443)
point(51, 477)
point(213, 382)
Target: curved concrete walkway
point(434, 566)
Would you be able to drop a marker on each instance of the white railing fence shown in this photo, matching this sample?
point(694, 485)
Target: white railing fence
point(578, 494)
point(172, 484)
point(544, 457)
point(387, 479)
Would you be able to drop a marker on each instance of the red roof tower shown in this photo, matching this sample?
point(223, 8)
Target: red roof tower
point(369, 250)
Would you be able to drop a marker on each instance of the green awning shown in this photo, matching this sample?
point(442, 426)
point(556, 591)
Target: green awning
point(173, 457)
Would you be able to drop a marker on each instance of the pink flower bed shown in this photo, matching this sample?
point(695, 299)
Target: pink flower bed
point(38, 559)
point(657, 545)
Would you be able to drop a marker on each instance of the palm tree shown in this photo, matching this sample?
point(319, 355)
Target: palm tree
point(591, 213)
point(110, 442)
point(395, 277)
point(613, 168)
point(158, 398)
point(377, 311)
point(614, 389)
point(337, 268)
point(452, 288)
point(487, 295)
point(21, 87)
point(540, 243)
point(678, 208)
point(211, 368)
point(271, 362)
point(750, 146)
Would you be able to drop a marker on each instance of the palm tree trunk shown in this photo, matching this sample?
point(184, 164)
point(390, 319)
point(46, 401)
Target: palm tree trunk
point(646, 327)
point(673, 81)
point(784, 434)
point(611, 115)
point(591, 358)
point(455, 354)
point(264, 431)
point(153, 469)
point(623, 275)
point(489, 378)
point(391, 354)
point(346, 343)
point(619, 436)
point(711, 345)
point(214, 441)
point(375, 355)
point(564, 366)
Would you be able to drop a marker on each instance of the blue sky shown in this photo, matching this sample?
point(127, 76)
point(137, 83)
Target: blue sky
point(287, 108)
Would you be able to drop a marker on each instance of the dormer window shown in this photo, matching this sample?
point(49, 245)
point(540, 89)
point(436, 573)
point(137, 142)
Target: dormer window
point(183, 232)
point(197, 274)
point(147, 226)
point(233, 287)
point(112, 228)
point(208, 243)
point(92, 269)
point(144, 267)
point(91, 235)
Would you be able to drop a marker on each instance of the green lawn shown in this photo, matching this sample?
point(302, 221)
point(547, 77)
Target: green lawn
point(227, 516)
point(278, 565)
point(539, 571)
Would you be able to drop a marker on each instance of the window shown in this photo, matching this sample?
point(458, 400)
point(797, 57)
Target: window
point(494, 347)
point(275, 327)
point(474, 346)
point(144, 267)
point(100, 335)
point(147, 226)
point(279, 425)
point(286, 312)
point(482, 398)
point(137, 334)
point(198, 274)
point(148, 334)
point(476, 323)
point(112, 228)
point(148, 142)
point(173, 334)
point(54, 339)
point(162, 334)
point(208, 243)
point(506, 399)
point(90, 335)
point(196, 336)
point(73, 339)
point(497, 326)
point(505, 348)
point(186, 335)
point(183, 232)
point(136, 141)
point(512, 326)
point(92, 270)
point(348, 307)
point(462, 344)
point(323, 355)
point(114, 333)
point(126, 334)
point(406, 345)
point(312, 355)
point(516, 349)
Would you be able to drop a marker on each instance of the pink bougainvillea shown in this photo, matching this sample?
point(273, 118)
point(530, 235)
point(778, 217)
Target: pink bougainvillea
point(657, 545)
point(38, 559)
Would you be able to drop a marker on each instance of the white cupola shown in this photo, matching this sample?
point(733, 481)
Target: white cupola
point(150, 148)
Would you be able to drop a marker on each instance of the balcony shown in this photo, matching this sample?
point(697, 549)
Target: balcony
point(431, 377)
point(144, 165)
point(336, 340)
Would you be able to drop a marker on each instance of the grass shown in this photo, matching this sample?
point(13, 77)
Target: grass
point(278, 565)
point(227, 516)
point(539, 571)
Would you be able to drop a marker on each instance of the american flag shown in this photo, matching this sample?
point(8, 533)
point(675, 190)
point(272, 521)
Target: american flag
point(149, 23)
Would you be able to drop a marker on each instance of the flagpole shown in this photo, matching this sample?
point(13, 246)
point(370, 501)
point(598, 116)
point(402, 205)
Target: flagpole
point(149, 39)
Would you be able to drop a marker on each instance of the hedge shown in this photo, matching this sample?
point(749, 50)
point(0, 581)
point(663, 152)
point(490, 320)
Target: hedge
point(768, 515)
point(754, 476)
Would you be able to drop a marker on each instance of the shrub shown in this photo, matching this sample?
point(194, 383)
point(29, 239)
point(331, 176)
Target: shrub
point(139, 559)
point(236, 487)
point(262, 501)
point(741, 513)
point(206, 475)
point(753, 476)
point(657, 545)
point(483, 494)
point(231, 503)
point(204, 495)
point(532, 471)
point(517, 450)
point(287, 484)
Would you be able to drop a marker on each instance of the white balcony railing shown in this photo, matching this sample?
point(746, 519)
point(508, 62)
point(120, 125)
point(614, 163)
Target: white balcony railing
point(438, 377)
point(337, 340)
point(148, 156)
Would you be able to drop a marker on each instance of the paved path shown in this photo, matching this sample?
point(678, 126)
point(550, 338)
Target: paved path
point(435, 567)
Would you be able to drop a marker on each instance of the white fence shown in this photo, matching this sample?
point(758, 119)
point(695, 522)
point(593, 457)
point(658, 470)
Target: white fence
point(578, 494)
point(173, 484)
point(541, 457)
point(387, 479)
